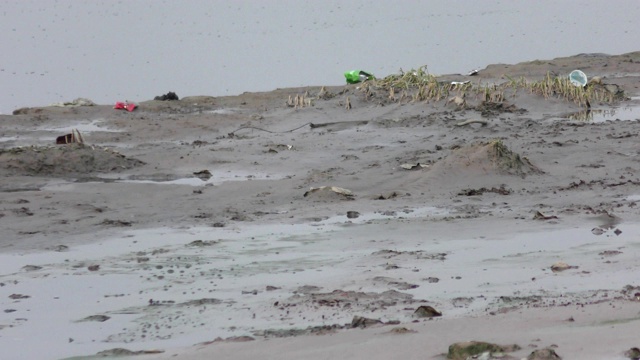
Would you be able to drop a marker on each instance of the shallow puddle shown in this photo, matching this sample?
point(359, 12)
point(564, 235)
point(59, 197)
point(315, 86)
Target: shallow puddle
point(216, 178)
point(83, 127)
point(167, 287)
point(622, 113)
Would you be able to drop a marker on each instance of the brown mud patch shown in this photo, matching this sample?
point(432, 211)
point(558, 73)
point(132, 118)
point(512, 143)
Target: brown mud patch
point(485, 158)
point(64, 160)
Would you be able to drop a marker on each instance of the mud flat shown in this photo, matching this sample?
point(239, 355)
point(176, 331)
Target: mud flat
point(380, 220)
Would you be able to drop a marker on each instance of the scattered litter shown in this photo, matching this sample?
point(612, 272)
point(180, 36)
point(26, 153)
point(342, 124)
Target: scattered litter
point(74, 103)
point(561, 266)
point(326, 189)
point(578, 78)
point(414, 166)
point(73, 138)
point(125, 106)
point(473, 72)
point(167, 97)
point(456, 83)
point(356, 76)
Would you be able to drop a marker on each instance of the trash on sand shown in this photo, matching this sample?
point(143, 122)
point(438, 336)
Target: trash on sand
point(356, 76)
point(414, 166)
point(561, 266)
point(325, 189)
point(473, 72)
point(578, 78)
point(168, 96)
point(75, 103)
point(73, 138)
point(456, 83)
point(125, 106)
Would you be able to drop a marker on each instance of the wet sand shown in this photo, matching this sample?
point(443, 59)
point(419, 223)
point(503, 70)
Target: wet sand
point(126, 242)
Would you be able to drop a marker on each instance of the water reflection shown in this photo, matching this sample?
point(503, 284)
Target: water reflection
point(601, 115)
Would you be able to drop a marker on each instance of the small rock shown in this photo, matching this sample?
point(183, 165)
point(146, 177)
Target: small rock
point(544, 354)
point(201, 243)
point(468, 349)
point(426, 311)
point(31, 268)
point(561, 266)
point(98, 318)
point(93, 267)
point(18, 296)
point(203, 174)
point(353, 214)
point(60, 248)
point(633, 353)
point(401, 330)
point(363, 322)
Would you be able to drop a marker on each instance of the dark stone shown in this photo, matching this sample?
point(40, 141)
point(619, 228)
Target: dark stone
point(467, 349)
point(544, 354)
point(363, 322)
point(426, 311)
point(167, 97)
point(352, 214)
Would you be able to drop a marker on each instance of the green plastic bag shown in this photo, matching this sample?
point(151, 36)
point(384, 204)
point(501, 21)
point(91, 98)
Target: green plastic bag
point(356, 76)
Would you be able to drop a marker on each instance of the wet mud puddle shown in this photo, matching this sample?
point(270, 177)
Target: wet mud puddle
point(627, 113)
point(160, 288)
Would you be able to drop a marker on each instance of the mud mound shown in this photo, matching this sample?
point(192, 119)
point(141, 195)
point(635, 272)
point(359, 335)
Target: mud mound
point(62, 160)
point(485, 158)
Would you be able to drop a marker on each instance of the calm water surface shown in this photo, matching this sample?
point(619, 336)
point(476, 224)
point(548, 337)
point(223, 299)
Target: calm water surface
point(134, 50)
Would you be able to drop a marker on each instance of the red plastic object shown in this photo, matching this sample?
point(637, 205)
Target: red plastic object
point(125, 106)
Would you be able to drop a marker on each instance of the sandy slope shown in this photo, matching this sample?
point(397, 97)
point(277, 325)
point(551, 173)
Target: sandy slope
point(122, 228)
